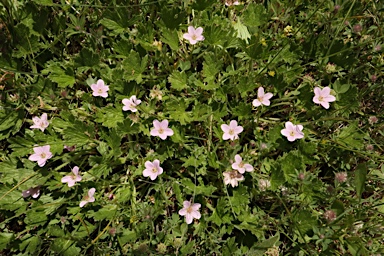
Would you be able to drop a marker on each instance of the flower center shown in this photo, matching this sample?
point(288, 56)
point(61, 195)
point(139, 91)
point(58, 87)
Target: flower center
point(154, 170)
point(260, 99)
point(189, 209)
point(194, 37)
point(241, 165)
point(321, 98)
point(43, 155)
point(161, 131)
point(100, 91)
point(232, 175)
point(292, 133)
point(231, 132)
point(86, 198)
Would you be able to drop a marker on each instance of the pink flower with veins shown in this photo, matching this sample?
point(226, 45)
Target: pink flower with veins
point(41, 155)
point(190, 211)
point(161, 129)
point(262, 98)
point(131, 103)
point(323, 96)
point(240, 165)
point(152, 169)
point(40, 123)
point(292, 132)
point(72, 179)
point(232, 177)
point(100, 89)
point(231, 131)
point(194, 35)
point(88, 198)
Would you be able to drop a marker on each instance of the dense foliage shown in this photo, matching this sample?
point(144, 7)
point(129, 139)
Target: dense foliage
point(201, 160)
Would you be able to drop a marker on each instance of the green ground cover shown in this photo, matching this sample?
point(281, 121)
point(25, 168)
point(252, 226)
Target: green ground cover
point(191, 127)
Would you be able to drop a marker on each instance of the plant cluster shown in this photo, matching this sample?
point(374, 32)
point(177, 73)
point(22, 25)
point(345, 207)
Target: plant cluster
point(180, 127)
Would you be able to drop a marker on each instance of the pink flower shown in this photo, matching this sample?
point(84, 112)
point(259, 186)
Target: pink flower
point(40, 123)
point(231, 131)
point(292, 132)
point(35, 192)
point(100, 89)
point(88, 198)
point(131, 103)
point(190, 211)
point(72, 179)
point(161, 129)
point(229, 3)
point(233, 177)
point(41, 155)
point(262, 98)
point(152, 170)
point(240, 165)
point(323, 96)
point(194, 35)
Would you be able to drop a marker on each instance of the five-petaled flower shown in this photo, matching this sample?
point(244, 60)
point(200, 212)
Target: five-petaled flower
point(231, 131)
point(240, 165)
point(41, 155)
point(323, 96)
point(72, 179)
point(131, 103)
point(232, 177)
point(292, 132)
point(262, 98)
point(194, 35)
point(40, 123)
point(88, 198)
point(190, 211)
point(161, 129)
point(34, 191)
point(100, 89)
point(152, 169)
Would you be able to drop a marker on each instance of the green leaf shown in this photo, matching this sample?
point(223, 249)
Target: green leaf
point(201, 5)
point(360, 178)
point(105, 213)
point(134, 66)
point(127, 236)
point(188, 248)
point(270, 242)
point(109, 116)
point(291, 164)
point(242, 31)
point(35, 218)
point(123, 47)
point(203, 190)
point(304, 221)
point(211, 67)
point(101, 170)
point(170, 37)
point(172, 17)
point(112, 25)
point(178, 80)
point(87, 58)
point(5, 238)
point(350, 136)
point(254, 15)
point(10, 122)
point(63, 77)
